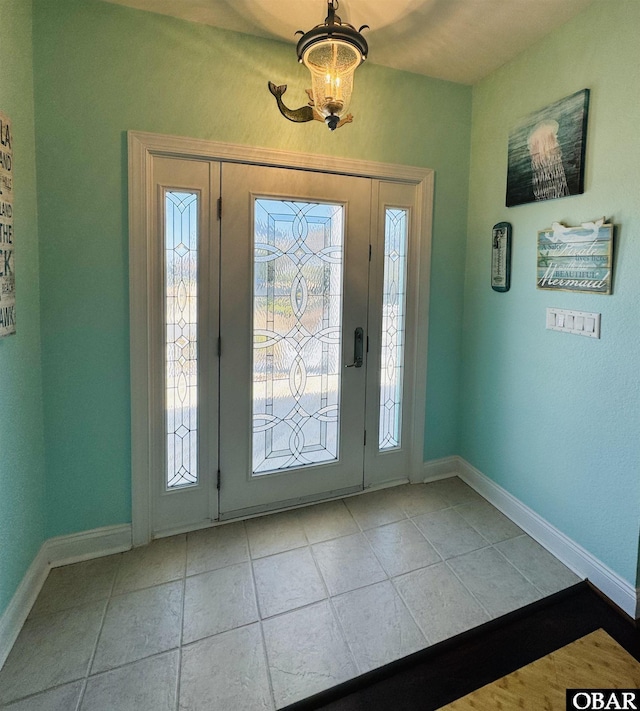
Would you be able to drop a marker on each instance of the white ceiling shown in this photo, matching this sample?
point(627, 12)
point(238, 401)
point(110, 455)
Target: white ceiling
point(458, 40)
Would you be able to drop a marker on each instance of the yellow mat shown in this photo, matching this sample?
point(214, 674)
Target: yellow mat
point(595, 661)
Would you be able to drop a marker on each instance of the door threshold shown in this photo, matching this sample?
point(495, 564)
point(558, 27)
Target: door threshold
point(297, 502)
point(288, 505)
point(302, 501)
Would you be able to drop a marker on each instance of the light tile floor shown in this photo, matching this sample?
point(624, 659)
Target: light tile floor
point(259, 614)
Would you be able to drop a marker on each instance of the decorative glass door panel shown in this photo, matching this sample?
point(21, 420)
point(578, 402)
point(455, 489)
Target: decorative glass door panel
point(183, 313)
point(396, 235)
point(181, 327)
point(392, 325)
point(297, 318)
point(292, 409)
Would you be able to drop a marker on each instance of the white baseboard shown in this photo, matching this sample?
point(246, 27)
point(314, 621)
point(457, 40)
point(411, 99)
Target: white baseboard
point(55, 552)
point(440, 469)
point(96, 543)
point(573, 555)
point(21, 603)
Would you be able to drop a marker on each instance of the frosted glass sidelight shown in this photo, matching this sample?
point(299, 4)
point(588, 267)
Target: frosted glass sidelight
point(393, 327)
point(181, 328)
point(297, 319)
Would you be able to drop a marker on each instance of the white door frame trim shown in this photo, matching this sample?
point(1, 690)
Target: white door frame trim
point(142, 147)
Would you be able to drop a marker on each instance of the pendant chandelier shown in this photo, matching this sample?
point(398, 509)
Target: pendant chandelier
point(332, 52)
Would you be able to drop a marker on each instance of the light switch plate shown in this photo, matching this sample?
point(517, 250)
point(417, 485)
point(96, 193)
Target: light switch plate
point(580, 323)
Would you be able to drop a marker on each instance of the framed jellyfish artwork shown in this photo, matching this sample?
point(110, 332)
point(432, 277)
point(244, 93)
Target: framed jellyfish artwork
point(546, 152)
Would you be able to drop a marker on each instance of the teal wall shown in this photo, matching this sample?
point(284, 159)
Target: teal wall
point(21, 428)
point(101, 70)
point(551, 417)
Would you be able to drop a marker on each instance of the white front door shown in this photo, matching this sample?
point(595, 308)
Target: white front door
point(275, 349)
point(293, 305)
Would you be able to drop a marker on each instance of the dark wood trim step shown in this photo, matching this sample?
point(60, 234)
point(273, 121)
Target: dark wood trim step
point(437, 675)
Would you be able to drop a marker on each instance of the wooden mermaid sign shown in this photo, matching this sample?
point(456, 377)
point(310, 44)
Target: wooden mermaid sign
point(576, 258)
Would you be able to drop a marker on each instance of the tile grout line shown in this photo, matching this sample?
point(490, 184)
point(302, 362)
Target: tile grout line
point(155, 655)
point(488, 546)
point(446, 560)
point(144, 658)
point(83, 690)
point(491, 545)
point(327, 597)
point(244, 557)
point(426, 540)
point(405, 605)
point(307, 605)
point(265, 654)
point(332, 608)
point(340, 535)
point(484, 538)
point(380, 563)
point(150, 587)
point(410, 611)
point(35, 694)
point(511, 563)
point(99, 635)
point(388, 578)
point(491, 617)
point(345, 638)
point(181, 639)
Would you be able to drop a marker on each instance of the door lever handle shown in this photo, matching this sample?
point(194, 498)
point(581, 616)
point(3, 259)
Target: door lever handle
point(358, 348)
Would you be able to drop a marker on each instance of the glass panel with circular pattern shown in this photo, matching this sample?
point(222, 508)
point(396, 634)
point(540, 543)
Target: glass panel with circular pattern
point(297, 319)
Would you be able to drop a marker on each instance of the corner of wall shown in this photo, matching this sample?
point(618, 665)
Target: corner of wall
point(21, 414)
point(530, 416)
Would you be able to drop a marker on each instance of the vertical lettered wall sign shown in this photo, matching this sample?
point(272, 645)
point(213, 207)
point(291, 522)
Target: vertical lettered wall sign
point(7, 274)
